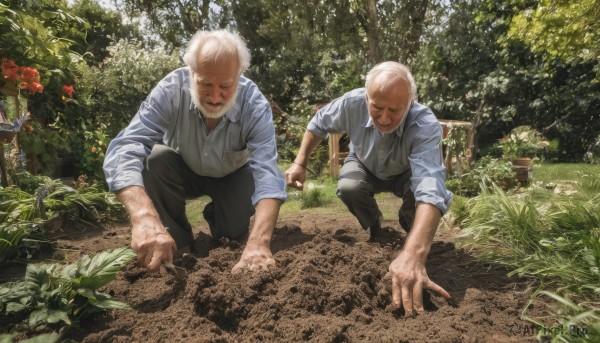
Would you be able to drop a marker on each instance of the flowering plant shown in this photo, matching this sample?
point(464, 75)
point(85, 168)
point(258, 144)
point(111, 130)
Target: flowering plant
point(25, 77)
point(523, 142)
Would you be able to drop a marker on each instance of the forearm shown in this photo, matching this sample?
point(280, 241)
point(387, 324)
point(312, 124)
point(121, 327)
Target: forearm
point(309, 142)
point(265, 219)
point(136, 202)
point(418, 243)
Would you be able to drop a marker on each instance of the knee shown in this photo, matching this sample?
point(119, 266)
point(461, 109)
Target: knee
point(161, 159)
point(349, 189)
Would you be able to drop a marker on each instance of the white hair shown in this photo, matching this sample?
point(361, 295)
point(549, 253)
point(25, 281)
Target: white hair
point(224, 44)
point(395, 71)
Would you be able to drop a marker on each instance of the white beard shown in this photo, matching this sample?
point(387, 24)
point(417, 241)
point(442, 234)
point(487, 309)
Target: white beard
point(208, 113)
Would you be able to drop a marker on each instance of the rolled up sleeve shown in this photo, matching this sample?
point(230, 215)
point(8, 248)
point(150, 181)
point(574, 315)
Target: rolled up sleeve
point(127, 152)
point(269, 182)
point(428, 171)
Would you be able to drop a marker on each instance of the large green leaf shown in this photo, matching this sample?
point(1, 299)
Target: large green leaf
point(98, 270)
point(45, 338)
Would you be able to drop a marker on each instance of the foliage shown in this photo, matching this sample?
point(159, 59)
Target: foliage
point(573, 316)
point(312, 198)
point(43, 143)
point(593, 153)
point(52, 198)
point(469, 183)
point(89, 163)
point(104, 26)
point(469, 70)
point(12, 237)
point(523, 142)
point(554, 238)
point(53, 296)
point(567, 29)
point(36, 33)
point(110, 94)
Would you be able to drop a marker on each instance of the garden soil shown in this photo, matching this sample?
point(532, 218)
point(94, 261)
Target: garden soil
point(329, 285)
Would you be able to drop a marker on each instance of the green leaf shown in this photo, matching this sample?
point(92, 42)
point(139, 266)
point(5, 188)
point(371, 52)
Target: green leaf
point(45, 338)
point(101, 268)
point(112, 304)
point(7, 338)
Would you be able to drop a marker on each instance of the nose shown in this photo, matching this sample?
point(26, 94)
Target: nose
point(384, 118)
point(214, 94)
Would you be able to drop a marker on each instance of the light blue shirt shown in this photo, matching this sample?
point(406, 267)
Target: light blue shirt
point(414, 145)
point(168, 116)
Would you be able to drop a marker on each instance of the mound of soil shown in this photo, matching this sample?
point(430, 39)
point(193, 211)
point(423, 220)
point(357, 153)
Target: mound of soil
point(329, 285)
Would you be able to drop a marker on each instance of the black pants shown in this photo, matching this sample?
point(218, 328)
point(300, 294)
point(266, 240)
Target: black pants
point(169, 182)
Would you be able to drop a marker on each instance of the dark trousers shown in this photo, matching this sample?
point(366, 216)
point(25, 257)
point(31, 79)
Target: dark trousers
point(169, 182)
point(357, 187)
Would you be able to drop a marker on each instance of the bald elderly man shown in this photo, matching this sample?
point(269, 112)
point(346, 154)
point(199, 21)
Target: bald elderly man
point(394, 147)
point(204, 130)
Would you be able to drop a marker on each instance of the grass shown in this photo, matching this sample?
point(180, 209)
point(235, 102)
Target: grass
point(318, 196)
point(549, 233)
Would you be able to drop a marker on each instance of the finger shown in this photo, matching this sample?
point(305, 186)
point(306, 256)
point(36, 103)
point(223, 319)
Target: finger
point(254, 267)
point(169, 256)
point(407, 301)
point(238, 268)
point(438, 289)
point(418, 297)
point(396, 293)
point(157, 258)
point(298, 185)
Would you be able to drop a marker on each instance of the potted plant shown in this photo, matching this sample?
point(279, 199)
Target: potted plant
point(521, 147)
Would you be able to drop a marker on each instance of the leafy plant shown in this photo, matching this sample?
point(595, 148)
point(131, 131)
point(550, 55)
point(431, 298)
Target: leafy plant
point(12, 237)
point(313, 198)
point(469, 183)
point(523, 142)
point(53, 296)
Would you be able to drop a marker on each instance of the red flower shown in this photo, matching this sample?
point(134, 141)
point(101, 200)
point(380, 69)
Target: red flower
point(68, 90)
point(9, 69)
point(35, 87)
point(28, 74)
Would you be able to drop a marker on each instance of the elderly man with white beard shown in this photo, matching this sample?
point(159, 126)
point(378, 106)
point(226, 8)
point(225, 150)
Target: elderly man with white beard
point(204, 130)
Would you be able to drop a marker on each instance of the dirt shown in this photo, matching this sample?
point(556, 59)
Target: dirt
point(329, 285)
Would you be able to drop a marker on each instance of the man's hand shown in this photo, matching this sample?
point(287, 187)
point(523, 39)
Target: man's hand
point(152, 243)
point(255, 257)
point(295, 176)
point(409, 279)
point(149, 238)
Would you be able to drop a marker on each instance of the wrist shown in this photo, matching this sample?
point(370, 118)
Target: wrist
point(300, 164)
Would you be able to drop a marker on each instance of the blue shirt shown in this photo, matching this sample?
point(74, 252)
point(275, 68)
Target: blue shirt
point(168, 116)
point(415, 145)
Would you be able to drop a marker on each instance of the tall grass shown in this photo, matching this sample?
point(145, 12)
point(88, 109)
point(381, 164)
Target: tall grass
point(547, 235)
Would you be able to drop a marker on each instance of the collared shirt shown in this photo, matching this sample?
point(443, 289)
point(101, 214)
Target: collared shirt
point(168, 116)
point(414, 145)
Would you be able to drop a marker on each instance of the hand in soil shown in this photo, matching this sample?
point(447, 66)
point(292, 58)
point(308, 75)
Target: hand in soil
point(254, 258)
point(409, 278)
point(153, 245)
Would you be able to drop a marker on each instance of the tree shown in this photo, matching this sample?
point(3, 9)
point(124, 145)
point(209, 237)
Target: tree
point(174, 22)
point(472, 70)
point(565, 29)
point(104, 26)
